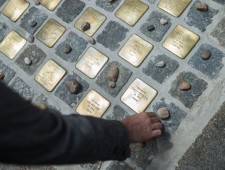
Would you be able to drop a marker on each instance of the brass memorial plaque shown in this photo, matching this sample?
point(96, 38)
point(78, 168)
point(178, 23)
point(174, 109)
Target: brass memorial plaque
point(135, 50)
point(139, 95)
point(181, 41)
point(51, 32)
point(50, 75)
point(174, 7)
point(12, 44)
point(92, 62)
point(15, 8)
point(50, 4)
point(131, 11)
point(93, 105)
point(95, 18)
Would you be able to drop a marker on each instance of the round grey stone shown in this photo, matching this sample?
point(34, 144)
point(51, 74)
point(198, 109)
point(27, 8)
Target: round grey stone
point(32, 23)
point(27, 61)
point(67, 49)
point(30, 38)
point(151, 28)
point(2, 75)
point(112, 84)
point(160, 64)
point(85, 26)
point(91, 40)
point(206, 54)
point(73, 86)
point(163, 113)
point(163, 21)
point(201, 6)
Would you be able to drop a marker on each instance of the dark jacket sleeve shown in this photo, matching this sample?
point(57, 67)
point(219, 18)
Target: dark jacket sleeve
point(32, 136)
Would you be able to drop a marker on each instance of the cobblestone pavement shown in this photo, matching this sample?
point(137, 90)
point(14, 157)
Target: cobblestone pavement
point(168, 53)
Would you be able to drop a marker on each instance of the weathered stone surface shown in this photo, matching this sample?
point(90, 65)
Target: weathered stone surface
point(8, 73)
point(210, 67)
point(188, 97)
point(77, 44)
point(115, 165)
point(70, 9)
point(3, 30)
point(159, 31)
point(160, 74)
point(115, 33)
point(200, 19)
point(220, 1)
point(108, 6)
point(219, 32)
point(118, 113)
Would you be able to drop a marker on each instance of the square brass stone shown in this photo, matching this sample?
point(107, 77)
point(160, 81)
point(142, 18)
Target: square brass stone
point(181, 41)
point(135, 50)
point(50, 4)
point(50, 75)
point(91, 62)
point(174, 7)
point(51, 32)
point(93, 105)
point(95, 18)
point(131, 11)
point(138, 96)
point(12, 44)
point(15, 8)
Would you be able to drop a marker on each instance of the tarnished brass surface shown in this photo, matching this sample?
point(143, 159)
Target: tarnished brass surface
point(50, 75)
point(91, 62)
point(51, 32)
point(174, 7)
point(135, 50)
point(12, 44)
point(95, 18)
point(50, 4)
point(15, 8)
point(139, 95)
point(131, 11)
point(93, 105)
point(181, 41)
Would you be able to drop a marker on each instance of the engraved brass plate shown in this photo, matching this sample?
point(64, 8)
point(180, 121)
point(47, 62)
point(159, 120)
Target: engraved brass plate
point(131, 11)
point(93, 105)
point(181, 41)
point(50, 75)
point(138, 96)
point(95, 18)
point(12, 44)
point(91, 62)
point(50, 4)
point(15, 8)
point(51, 32)
point(174, 7)
point(135, 50)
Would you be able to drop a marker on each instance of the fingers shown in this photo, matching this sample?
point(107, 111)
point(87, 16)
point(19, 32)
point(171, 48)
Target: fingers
point(156, 133)
point(155, 120)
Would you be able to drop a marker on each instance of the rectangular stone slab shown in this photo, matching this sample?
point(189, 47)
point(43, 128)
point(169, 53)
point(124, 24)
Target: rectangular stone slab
point(15, 8)
point(12, 44)
point(50, 4)
point(93, 105)
point(51, 32)
point(138, 96)
point(50, 75)
point(174, 7)
point(181, 41)
point(131, 11)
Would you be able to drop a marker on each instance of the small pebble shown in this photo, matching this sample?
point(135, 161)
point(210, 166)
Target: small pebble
point(113, 73)
point(30, 38)
point(42, 106)
point(37, 2)
point(150, 28)
point(112, 84)
point(27, 61)
point(201, 6)
point(85, 26)
point(206, 54)
point(160, 64)
point(163, 113)
point(185, 86)
point(91, 40)
point(67, 49)
point(32, 23)
point(163, 21)
point(2, 75)
point(73, 86)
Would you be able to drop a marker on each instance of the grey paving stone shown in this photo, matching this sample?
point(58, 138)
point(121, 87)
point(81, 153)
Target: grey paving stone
point(33, 14)
point(35, 54)
point(44, 100)
point(124, 75)
point(118, 113)
point(219, 32)
point(77, 44)
point(188, 97)
point(70, 9)
point(25, 91)
point(2, 2)
point(95, 166)
point(159, 31)
point(220, 1)
point(63, 93)
point(3, 30)
point(115, 165)
point(160, 74)
point(112, 35)
point(9, 73)
point(108, 6)
point(210, 67)
point(200, 19)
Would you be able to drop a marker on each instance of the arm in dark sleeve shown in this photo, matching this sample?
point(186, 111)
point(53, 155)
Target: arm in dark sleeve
point(32, 136)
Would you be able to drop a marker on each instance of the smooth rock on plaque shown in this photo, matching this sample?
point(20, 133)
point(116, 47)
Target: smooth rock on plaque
point(138, 96)
point(92, 62)
point(51, 32)
point(181, 41)
point(135, 50)
point(93, 105)
point(131, 11)
point(50, 4)
point(15, 8)
point(12, 44)
point(50, 75)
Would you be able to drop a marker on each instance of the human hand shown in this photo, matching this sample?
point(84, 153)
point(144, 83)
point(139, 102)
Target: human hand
point(142, 126)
